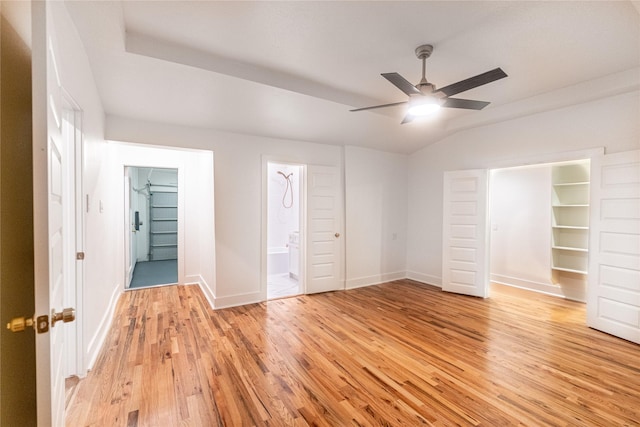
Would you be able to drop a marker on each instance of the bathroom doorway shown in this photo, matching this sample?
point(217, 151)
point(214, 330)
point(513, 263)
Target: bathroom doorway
point(151, 210)
point(284, 238)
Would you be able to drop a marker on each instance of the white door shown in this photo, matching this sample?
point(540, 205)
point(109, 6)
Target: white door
point(130, 252)
point(74, 233)
point(324, 229)
point(613, 293)
point(49, 163)
point(465, 238)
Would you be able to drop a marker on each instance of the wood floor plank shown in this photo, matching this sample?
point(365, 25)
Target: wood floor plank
point(400, 353)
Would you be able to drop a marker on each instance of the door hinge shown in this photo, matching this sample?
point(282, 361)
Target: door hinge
point(80, 256)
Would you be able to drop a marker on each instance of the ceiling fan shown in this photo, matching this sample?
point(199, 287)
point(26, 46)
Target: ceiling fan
point(425, 99)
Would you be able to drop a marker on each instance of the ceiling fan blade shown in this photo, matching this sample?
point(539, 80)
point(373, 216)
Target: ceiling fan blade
point(380, 106)
point(467, 104)
point(472, 82)
point(401, 83)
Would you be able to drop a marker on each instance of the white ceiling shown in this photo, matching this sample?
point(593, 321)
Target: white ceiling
point(294, 69)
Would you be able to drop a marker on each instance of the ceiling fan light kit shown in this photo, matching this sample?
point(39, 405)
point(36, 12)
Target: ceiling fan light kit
point(425, 98)
point(423, 105)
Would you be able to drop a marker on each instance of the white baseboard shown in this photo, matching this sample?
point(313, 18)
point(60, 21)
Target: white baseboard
point(96, 342)
point(574, 292)
point(425, 278)
point(545, 288)
point(204, 286)
point(236, 300)
point(374, 280)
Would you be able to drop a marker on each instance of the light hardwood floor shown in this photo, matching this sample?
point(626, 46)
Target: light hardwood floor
point(400, 353)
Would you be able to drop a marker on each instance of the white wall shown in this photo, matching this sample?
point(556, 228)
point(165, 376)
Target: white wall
point(520, 216)
point(238, 194)
point(609, 122)
point(376, 216)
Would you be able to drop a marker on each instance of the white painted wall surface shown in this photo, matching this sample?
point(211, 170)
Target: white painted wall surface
point(609, 122)
point(520, 218)
point(238, 194)
point(376, 216)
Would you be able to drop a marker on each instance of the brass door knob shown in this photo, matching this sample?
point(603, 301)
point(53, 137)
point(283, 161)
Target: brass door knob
point(18, 324)
point(337, 235)
point(66, 315)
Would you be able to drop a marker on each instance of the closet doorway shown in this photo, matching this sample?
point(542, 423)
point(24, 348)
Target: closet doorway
point(151, 240)
point(539, 227)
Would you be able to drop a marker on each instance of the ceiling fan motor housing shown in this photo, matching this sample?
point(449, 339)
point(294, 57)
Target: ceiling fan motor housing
point(426, 87)
point(424, 51)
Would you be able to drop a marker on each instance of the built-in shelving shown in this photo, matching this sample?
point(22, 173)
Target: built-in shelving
point(163, 235)
point(570, 217)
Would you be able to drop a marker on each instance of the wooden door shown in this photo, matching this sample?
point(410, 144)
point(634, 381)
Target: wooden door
point(49, 164)
point(324, 229)
point(613, 293)
point(465, 237)
point(17, 350)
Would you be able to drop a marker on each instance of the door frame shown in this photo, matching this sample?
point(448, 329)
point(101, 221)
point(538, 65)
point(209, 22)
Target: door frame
point(74, 235)
point(264, 222)
point(125, 214)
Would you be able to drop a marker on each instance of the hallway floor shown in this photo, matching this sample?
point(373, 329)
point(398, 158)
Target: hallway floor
point(153, 273)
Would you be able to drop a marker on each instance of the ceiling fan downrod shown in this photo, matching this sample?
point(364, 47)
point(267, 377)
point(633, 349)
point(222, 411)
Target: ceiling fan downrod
point(423, 52)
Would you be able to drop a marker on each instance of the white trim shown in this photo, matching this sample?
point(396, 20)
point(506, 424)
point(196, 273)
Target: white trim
point(425, 278)
point(376, 279)
point(237, 300)
point(97, 341)
point(531, 285)
point(198, 280)
point(539, 159)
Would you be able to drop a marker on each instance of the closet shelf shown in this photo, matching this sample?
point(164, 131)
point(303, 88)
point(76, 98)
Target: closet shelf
point(570, 217)
point(570, 184)
point(570, 248)
point(163, 236)
point(570, 270)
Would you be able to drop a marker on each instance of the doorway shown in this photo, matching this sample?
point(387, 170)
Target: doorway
point(539, 218)
point(151, 240)
point(284, 241)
